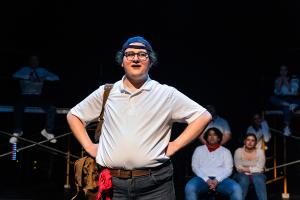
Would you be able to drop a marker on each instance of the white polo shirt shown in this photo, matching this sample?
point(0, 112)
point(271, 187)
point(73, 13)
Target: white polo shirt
point(137, 126)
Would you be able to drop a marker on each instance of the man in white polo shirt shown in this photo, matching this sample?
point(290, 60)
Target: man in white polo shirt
point(135, 142)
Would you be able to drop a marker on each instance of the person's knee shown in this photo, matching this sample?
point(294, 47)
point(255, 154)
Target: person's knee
point(242, 179)
point(236, 188)
point(190, 188)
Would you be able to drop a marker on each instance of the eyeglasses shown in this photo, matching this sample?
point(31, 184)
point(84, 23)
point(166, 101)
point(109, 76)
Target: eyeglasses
point(142, 56)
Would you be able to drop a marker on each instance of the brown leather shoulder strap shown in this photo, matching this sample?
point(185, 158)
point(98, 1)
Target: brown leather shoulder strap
point(107, 89)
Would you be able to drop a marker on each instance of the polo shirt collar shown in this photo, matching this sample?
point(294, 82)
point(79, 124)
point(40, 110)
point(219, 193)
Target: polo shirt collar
point(146, 86)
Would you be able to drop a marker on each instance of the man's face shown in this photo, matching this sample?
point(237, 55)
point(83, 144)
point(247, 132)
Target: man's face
point(136, 62)
point(34, 61)
point(257, 120)
point(212, 138)
point(250, 142)
point(283, 70)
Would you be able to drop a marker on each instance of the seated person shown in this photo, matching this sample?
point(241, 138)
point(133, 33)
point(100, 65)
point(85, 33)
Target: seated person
point(212, 165)
point(286, 96)
point(260, 128)
point(249, 162)
point(219, 123)
point(32, 78)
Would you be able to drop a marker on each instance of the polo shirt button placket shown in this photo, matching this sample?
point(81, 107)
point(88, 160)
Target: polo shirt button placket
point(131, 109)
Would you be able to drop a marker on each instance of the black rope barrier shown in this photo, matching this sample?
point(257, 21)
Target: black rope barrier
point(40, 144)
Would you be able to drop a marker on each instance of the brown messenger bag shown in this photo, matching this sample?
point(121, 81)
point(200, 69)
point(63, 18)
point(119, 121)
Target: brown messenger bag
point(86, 169)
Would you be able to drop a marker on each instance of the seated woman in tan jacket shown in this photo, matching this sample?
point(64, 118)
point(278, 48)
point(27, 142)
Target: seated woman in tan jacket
point(249, 162)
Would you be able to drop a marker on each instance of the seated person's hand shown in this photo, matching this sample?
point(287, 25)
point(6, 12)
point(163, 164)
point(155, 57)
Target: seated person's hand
point(212, 183)
point(241, 169)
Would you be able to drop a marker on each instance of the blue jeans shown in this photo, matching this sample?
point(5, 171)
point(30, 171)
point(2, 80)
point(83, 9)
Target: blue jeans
point(197, 187)
point(258, 182)
point(159, 186)
point(280, 100)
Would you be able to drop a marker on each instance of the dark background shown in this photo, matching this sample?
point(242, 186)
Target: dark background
point(225, 53)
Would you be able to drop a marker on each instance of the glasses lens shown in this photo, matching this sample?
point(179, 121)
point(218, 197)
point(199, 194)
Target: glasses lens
point(129, 55)
point(142, 56)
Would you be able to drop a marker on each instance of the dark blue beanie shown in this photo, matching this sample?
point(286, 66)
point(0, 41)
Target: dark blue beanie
point(137, 39)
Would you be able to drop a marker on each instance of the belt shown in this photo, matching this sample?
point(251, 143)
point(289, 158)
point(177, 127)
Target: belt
point(127, 174)
point(121, 173)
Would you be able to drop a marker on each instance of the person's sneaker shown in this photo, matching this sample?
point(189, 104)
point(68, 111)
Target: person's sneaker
point(49, 136)
point(293, 106)
point(13, 139)
point(286, 131)
point(297, 109)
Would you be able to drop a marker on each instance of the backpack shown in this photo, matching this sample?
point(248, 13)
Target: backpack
point(86, 169)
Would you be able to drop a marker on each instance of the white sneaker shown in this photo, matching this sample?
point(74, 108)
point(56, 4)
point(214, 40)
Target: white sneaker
point(49, 136)
point(286, 131)
point(13, 139)
point(293, 106)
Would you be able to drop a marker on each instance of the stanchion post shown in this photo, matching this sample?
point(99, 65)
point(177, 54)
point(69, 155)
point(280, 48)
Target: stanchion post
point(67, 185)
point(285, 194)
point(275, 158)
